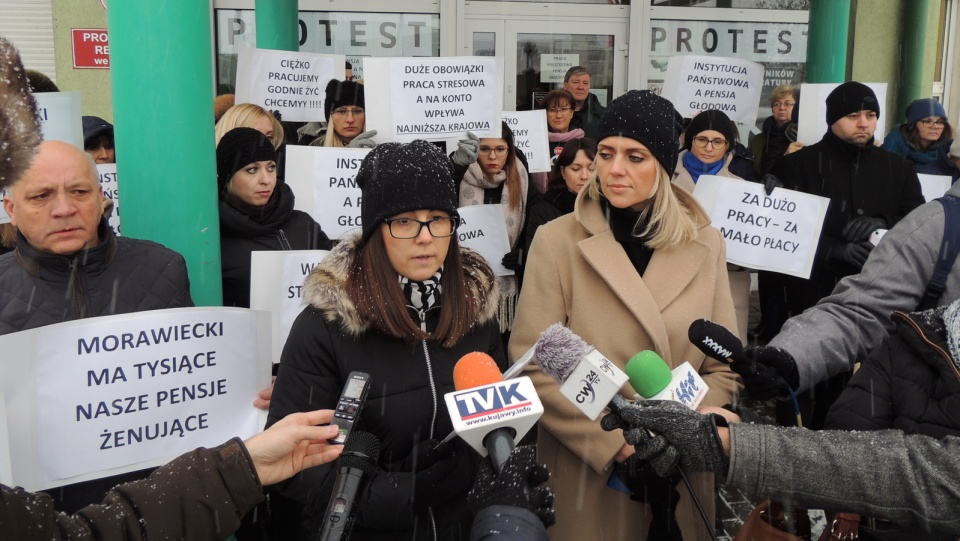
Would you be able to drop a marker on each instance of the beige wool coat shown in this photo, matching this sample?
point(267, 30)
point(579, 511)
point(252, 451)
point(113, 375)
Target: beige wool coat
point(579, 275)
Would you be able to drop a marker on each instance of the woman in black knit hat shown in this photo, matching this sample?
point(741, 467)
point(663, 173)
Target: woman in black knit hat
point(256, 211)
point(343, 107)
point(402, 302)
point(628, 270)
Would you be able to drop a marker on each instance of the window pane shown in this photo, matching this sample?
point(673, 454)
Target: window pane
point(535, 53)
point(484, 44)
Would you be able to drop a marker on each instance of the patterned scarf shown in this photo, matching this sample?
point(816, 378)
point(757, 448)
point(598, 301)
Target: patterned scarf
point(424, 295)
point(471, 193)
point(951, 322)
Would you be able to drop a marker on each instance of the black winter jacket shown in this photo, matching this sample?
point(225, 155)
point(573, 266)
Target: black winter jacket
point(285, 229)
point(910, 383)
point(119, 276)
point(405, 405)
point(549, 206)
point(859, 181)
point(588, 117)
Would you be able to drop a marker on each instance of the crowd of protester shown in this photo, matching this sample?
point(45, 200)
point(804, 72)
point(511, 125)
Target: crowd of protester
point(613, 244)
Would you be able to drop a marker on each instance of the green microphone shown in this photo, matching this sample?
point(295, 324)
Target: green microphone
point(653, 379)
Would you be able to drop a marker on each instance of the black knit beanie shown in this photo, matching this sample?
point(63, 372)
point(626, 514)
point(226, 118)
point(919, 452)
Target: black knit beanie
point(239, 148)
point(396, 178)
point(710, 120)
point(340, 93)
point(850, 97)
point(648, 118)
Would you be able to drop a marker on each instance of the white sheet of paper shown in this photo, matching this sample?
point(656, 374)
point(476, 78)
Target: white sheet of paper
point(116, 391)
point(934, 186)
point(553, 67)
point(530, 136)
point(292, 83)
point(60, 117)
point(111, 189)
point(697, 83)
point(813, 111)
point(433, 98)
point(779, 232)
point(283, 298)
point(483, 229)
point(322, 178)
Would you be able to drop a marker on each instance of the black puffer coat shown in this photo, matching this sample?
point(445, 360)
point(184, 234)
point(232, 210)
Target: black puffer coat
point(284, 229)
point(551, 205)
point(910, 383)
point(859, 181)
point(119, 276)
point(405, 404)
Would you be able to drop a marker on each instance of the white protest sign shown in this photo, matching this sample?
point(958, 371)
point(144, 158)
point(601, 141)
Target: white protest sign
point(357, 63)
point(813, 111)
point(283, 298)
point(779, 232)
point(934, 186)
point(292, 83)
point(4, 217)
point(60, 117)
point(697, 83)
point(108, 395)
point(322, 178)
point(433, 98)
point(108, 181)
point(6, 470)
point(483, 229)
point(553, 67)
point(530, 137)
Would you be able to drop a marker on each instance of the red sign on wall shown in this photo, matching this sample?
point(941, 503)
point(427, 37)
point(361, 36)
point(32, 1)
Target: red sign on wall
point(90, 48)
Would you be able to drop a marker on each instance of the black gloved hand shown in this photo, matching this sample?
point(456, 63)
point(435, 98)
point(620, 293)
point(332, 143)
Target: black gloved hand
point(854, 254)
point(770, 182)
point(520, 484)
point(448, 476)
point(693, 435)
point(645, 484)
point(467, 150)
point(513, 259)
point(654, 450)
point(860, 228)
point(769, 373)
point(276, 114)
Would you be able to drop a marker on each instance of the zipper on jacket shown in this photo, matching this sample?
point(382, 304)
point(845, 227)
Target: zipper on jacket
point(76, 290)
point(433, 394)
point(282, 237)
point(923, 336)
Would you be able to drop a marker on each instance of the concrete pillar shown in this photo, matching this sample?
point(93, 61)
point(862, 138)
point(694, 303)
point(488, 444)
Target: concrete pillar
point(827, 36)
point(278, 25)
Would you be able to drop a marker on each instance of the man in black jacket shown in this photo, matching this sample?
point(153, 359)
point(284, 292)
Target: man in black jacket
point(869, 189)
point(69, 265)
point(587, 109)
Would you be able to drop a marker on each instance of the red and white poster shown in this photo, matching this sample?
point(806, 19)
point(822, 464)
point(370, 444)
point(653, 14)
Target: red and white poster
point(90, 48)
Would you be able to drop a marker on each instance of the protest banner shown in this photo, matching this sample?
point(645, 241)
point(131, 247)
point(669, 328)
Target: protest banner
point(108, 181)
point(530, 137)
point(779, 232)
point(934, 186)
point(323, 180)
point(433, 98)
point(813, 103)
point(697, 83)
point(483, 229)
point(283, 299)
point(60, 118)
point(102, 396)
point(553, 67)
point(292, 83)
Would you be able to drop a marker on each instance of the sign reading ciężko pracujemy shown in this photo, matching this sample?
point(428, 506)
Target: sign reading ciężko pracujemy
point(291, 83)
point(105, 395)
point(777, 232)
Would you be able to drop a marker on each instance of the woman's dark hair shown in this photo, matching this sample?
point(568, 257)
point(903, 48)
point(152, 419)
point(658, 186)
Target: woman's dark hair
point(911, 134)
point(567, 156)
point(373, 288)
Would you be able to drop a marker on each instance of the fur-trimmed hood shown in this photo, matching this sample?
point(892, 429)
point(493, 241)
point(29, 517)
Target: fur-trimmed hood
point(323, 288)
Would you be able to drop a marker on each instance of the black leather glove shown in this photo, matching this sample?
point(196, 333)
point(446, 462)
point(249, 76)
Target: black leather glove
point(854, 254)
point(513, 259)
point(770, 182)
point(520, 484)
point(861, 227)
point(768, 373)
point(693, 435)
point(467, 150)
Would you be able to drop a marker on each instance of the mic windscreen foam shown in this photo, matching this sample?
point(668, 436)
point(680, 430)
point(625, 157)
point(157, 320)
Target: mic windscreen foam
point(648, 373)
point(361, 451)
point(558, 351)
point(715, 340)
point(474, 370)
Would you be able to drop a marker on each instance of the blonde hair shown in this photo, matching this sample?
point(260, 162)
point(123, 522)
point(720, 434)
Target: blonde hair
point(781, 92)
point(670, 223)
point(246, 115)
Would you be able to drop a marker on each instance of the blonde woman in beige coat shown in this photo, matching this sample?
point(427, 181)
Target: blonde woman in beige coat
point(628, 270)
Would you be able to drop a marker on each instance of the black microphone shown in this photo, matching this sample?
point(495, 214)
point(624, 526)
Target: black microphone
point(357, 464)
point(716, 342)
